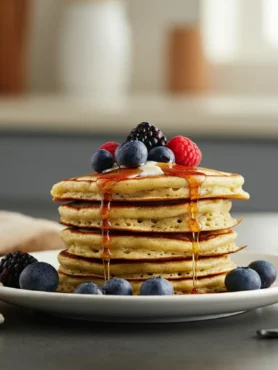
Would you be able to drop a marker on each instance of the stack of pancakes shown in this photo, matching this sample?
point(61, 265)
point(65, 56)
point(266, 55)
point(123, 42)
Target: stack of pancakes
point(161, 220)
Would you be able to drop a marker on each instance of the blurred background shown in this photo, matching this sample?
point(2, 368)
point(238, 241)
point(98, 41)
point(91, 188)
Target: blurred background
point(77, 73)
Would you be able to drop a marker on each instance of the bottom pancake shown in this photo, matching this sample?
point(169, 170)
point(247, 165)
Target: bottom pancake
point(210, 284)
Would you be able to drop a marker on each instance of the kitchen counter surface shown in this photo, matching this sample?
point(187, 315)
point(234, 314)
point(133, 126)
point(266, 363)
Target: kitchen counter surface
point(206, 116)
point(31, 340)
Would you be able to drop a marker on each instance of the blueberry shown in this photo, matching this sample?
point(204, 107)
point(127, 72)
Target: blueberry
point(117, 286)
point(131, 154)
point(266, 271)
point(88, 288)
point(242, 278)
point(161, 154)
point(39, 276)
point(156, 286)
point(102, 160)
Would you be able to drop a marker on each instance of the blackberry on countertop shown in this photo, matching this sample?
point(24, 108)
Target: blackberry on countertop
point(11, 267)
point(149, 134)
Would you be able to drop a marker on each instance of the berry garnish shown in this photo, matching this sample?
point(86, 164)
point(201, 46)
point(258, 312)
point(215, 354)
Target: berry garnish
point(88, 288)
point(266, 271)
point(39, 276)
point(11, 267)
point(149, 134)
point(185, 150)
point(102, 160)
point(156, 286)
point(111, 147)
point(161, 154)
point(242, 278)
point(117, 286)
point(131, 154)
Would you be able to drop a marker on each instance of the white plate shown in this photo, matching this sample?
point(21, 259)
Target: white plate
point(144, 308)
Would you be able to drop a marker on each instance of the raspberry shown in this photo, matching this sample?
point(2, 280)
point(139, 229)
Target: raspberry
point(111, 147)
point(186, 151)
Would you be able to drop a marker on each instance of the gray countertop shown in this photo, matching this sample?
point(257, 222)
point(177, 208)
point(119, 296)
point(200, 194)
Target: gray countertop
point(31, 340)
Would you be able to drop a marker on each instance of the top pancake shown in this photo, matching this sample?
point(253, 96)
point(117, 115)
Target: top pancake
point(150, 182)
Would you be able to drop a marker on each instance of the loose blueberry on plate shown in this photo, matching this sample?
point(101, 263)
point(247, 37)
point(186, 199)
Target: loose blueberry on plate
point(102, 160)
point(161, 154)
point(88, 288)
point(266, 271)
point(131, 154)
point(11, 267)
point(117, 286)
point(242, 278)
point(39, 276)
point(156, 286)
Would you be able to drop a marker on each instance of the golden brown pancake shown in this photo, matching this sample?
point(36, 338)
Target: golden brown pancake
point(88, 243)
point(144, 184)
point(213, 214)
point(211, 284)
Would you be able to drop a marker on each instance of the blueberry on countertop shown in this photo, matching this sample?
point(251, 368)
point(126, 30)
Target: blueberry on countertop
point(131, 154)
point(266, 271)
point(117, 286)
point(156, 286)
point(102, 160)
point(242, 278)
point(88, 288)
point(39, 276)
point(161, 154)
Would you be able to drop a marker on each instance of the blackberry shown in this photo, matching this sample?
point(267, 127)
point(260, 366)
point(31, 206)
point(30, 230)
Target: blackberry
point(149, 134)
point(11, 267)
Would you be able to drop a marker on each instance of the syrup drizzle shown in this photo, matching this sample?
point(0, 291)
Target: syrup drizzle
point(195, 179)
point(195, 227)
point(106, 182)
point(105, 230)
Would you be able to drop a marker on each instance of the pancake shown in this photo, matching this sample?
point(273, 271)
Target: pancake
point(212, 214)
point(141, 268)
point(86, 243)
point(153, 181)
point(211, 284)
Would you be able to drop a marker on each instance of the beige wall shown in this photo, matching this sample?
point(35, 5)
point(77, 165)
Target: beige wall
point(150, 20)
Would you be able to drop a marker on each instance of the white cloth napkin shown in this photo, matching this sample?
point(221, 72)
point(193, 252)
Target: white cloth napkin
point(19, 232)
